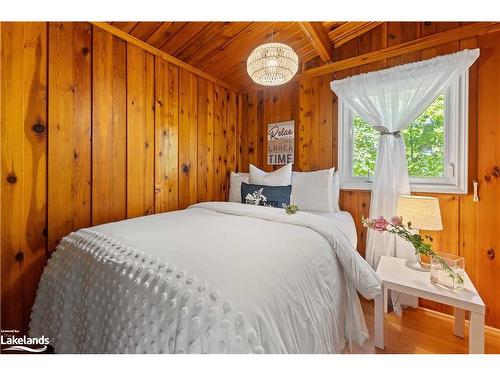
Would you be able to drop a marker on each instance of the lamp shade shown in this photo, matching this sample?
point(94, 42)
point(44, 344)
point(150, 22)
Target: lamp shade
point(422, 212)
point(272, 64)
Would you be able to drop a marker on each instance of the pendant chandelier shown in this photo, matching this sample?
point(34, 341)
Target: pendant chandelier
point(272, 64)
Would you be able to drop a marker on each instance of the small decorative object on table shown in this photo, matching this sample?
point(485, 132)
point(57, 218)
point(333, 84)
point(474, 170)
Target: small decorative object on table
point(447, 270)
point(444, 273)
point(290, 209)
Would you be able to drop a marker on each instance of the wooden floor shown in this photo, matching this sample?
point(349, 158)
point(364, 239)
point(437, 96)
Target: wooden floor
point(422, 331)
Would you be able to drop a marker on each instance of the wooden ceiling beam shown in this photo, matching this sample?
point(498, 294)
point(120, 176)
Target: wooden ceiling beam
point(350, 30)
point(462, 32)
point(155, 51)
point(319, 38)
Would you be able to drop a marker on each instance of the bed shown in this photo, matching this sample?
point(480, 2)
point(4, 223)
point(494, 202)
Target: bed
point(217, 277)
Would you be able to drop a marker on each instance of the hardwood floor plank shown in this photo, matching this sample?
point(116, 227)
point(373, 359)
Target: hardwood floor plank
point(421, 331)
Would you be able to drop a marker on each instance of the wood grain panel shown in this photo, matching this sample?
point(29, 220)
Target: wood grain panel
point(219, 145)
point(430, 28)
point(188, 143)
point(157, 38)
point(244, 138)
point(166, 136)
point(469, 212)
point(218, 43)
point(69, 143)
point(401, 32)
point(140, 132)
point(180, 40)
point(231, 152)
point(23, 134)
point(107, 137)
point(144, 29)
point(109, 128)
point(321, 123)
point(488, 158)
point(254, 148)
point(223, 144)
point(205, 140)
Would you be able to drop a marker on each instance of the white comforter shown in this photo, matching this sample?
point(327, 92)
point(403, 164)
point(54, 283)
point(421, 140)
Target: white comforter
point(214, 278)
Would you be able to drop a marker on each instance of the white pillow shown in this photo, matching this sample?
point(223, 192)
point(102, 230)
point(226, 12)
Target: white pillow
point(313, 191)
point(279, 177)
point(235, 186)
point(336, 192)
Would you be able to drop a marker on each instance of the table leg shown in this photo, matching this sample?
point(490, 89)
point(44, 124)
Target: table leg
point(379, 320)
point(386, 301)
point(459, 322)
point(476, 333)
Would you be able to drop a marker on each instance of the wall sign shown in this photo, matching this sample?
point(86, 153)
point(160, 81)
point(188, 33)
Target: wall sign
point(280, 143)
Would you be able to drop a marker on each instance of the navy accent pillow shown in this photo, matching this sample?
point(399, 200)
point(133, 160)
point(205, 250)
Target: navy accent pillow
point(263, 195)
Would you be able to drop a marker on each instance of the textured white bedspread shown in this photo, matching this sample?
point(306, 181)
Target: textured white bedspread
point(214, 278)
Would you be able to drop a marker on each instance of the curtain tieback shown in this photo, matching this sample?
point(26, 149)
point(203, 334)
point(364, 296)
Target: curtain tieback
point(384, 131)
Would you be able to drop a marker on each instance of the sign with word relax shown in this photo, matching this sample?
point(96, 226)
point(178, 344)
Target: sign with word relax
point(280, 143)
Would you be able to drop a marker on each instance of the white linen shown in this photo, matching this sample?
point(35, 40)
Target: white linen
point(390, 100)
point(313, 191)
point(235, 186)
point(344, 221)
point(336, 192)
point(214, 278)
point(279, 177)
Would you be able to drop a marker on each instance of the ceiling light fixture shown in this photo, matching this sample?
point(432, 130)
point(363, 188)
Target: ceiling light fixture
point(272, 64)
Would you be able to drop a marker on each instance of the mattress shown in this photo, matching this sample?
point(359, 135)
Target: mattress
point(214, 278)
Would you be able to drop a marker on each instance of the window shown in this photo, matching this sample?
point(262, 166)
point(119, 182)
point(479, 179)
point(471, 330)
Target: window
point(436, 145)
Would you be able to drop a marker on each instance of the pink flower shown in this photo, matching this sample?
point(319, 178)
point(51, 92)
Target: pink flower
point(380, 224)
point(397, 220)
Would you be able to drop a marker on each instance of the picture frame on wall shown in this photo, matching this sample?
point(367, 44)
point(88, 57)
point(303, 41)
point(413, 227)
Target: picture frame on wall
point(281, 143)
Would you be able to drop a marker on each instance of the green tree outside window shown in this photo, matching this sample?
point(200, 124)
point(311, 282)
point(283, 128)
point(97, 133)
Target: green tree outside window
point(424, 142)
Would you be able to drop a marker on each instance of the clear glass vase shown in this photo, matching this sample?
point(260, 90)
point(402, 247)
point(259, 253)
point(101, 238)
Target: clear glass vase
point(447, 270)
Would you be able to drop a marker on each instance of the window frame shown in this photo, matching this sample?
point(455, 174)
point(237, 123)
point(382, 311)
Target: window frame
point(456, 146)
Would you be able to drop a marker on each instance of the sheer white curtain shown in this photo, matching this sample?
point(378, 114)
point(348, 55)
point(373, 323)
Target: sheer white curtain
point(390, 100)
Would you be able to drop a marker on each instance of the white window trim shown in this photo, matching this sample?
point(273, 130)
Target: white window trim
point(456, 149)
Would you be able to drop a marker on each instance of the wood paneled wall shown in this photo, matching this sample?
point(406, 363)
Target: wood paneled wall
point(469, 227)
point(93, 130)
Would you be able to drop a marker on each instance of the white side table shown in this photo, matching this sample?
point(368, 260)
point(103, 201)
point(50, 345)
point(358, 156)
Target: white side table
point(396, 276)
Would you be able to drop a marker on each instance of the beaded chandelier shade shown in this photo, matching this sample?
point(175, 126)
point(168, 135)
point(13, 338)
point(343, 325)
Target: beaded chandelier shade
point(272, 64)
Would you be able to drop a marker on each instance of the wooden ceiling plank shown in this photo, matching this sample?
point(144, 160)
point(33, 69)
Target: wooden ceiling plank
point(361, 29)
point(462, 32)
point(225, 51)
point(196, 44)
point(155, 51)
point(218, 42)
point(124, 26)
point(144, 29)
point(162, 36)
point(189, 31)
point(237, 53)
point(319, 39)
point(157, 38)
point(243, 43)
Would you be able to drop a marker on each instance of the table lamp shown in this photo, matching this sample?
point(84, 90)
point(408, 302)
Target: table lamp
point(424, 214)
